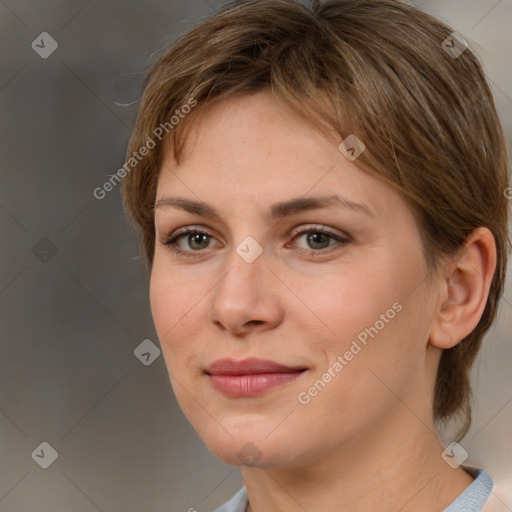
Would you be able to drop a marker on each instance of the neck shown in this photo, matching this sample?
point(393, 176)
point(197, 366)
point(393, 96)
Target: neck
point(384, 468)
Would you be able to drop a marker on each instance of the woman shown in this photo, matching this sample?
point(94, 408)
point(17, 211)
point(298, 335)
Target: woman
point(320, 194)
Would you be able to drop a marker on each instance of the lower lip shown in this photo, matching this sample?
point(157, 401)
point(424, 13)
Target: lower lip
point(250, 385)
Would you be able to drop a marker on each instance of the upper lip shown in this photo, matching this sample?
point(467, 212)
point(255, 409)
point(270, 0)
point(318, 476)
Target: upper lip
point(249, 366)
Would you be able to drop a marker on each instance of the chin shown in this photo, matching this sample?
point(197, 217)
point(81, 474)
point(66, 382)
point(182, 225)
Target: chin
point(247, 453)
point(246, 442)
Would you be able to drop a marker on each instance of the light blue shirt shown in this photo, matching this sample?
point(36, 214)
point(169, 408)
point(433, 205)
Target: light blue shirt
point(472, 499)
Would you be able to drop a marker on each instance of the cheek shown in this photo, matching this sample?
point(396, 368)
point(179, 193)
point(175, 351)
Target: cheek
point(371, 380)
point(378, 323)
point(175, 310)
point(175, 306)
point(350, 300)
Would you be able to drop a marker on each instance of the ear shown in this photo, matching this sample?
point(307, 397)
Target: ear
point(464, 289)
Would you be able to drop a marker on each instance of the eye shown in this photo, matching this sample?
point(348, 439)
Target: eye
point(318, 238)
point(192, 241)
point(194, 238)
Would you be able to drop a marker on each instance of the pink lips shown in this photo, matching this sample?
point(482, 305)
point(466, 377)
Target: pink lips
point(249, 377)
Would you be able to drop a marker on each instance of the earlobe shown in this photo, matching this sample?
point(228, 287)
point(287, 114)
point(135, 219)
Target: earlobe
point(465, 288)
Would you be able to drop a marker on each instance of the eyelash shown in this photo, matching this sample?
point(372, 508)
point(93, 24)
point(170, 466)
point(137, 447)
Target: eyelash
point(172, 241)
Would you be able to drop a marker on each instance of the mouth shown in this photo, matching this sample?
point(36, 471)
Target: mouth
point(250, 377)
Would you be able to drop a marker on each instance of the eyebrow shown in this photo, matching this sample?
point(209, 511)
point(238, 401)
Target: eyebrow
point(277, 210)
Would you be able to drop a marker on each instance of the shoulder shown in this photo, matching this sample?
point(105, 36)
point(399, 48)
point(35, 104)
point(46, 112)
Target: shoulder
point(476, 496)
point(237, 503)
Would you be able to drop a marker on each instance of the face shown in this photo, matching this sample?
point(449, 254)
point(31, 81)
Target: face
point(330, 293)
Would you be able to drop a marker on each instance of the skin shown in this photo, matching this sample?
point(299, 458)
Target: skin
point(367, 440)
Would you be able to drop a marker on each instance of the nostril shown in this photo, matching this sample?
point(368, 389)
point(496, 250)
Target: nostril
point(254, 322)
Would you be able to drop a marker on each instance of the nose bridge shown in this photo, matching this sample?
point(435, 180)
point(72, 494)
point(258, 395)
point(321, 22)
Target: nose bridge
point(245, 267)
point(242, 298)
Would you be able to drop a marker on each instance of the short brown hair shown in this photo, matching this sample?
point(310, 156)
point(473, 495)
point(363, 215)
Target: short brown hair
point(375, 68)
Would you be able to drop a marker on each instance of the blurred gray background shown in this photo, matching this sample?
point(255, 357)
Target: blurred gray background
point(74, 298)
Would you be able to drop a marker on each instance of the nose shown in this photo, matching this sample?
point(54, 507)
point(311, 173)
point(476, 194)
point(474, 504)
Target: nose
point(245, 299)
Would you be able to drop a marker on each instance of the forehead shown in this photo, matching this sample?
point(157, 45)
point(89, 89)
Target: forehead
point(250, 147)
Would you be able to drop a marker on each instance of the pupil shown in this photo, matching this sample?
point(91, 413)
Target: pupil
point(316, 238)
point(197, 239)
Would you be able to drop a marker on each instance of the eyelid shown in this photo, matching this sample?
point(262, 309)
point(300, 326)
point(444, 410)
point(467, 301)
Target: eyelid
point(186, 230)
point(304, 228)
